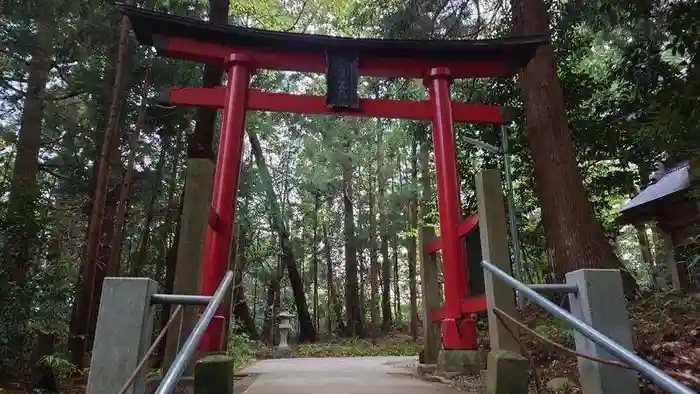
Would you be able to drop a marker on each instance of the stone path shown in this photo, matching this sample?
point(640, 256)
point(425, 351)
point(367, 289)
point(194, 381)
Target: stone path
point(366, 375)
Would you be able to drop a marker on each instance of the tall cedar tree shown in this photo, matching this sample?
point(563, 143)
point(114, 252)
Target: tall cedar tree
point(574, 236)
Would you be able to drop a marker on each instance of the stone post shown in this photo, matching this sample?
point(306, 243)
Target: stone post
point(669, 260)
point(507, 369)
point(600, 303)
point(123, 334)
point(431, 298)
point(213, 374)
point(199, 178)
point(285, 327)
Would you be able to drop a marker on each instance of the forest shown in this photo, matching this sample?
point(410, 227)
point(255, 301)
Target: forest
point(99, 179)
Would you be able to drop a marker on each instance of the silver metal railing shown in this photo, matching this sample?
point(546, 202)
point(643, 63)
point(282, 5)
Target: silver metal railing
point(649, 371)
point(169, 382)
point(555, 288)
point(180, 299)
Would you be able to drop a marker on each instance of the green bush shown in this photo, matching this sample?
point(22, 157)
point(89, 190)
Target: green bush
point(356, 347)
point(63, 368)
point(242, 349)
point(556, 330)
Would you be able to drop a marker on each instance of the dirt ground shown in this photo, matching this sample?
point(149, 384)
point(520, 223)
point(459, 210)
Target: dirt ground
point(666, 333)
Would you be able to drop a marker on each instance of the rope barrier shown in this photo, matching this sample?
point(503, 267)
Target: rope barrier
point(501, 314)
point(150, 351)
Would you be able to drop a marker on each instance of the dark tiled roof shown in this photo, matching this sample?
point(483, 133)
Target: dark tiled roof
point(673, 181)
point(515, 51)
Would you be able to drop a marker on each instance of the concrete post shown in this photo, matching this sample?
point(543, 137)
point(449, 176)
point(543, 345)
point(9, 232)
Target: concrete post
point(123, 334)
point(507, 369)
point(600, 302)
point(430, 289)
point(199, 178)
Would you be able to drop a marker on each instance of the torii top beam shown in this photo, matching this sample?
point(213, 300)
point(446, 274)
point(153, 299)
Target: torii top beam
point(206, 42)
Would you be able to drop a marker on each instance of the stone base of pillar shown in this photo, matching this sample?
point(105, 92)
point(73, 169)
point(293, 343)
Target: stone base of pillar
point(282, 352)
point(466, 362)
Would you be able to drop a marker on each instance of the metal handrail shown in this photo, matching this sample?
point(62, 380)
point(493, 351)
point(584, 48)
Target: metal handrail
point(167, 385)
point(649, 371)
point(180, 299)
point(554, 288)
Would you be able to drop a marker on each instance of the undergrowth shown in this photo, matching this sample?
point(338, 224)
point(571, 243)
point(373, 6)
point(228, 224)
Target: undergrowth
point(359, 347)
point(242, 349)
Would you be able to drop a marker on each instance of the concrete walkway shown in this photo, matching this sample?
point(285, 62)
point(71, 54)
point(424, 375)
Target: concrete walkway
point(366, 375)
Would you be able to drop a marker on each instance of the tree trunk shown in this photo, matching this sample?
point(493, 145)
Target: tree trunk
point(352, 308)
point(85, 299)
point(373, 264)
point(307, 333)
point(242, 311)
point(362, 274)
point(398, 316)
point(270, 311)
point(43, 378)
point(140, 261)
point(360, 246)
point(170, 264)
point(642, 235)
point(240, 305)
point(103, 257)
point(314, 251)
point(175, 206)
point(20, 226)
point(201, 142)
point(386, 285)
point(255, 297)
point(645, 249)
point(113, 262)
point(413, 228)
point(383, 229)
point(574, 235)
point(334, 305)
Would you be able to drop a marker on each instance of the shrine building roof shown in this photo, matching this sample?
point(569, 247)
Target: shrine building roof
point(672, 182)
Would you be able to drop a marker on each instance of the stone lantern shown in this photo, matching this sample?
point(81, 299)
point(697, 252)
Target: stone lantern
point(285, 327)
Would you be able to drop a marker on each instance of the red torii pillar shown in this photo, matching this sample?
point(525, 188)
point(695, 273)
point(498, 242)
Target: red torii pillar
point(222, 214)
point(457, 333)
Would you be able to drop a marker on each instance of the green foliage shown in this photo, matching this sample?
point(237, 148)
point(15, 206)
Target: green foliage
point(555, 330)
point(655, 311)
point(242, 349)
point(62, 368)
point(357, 347)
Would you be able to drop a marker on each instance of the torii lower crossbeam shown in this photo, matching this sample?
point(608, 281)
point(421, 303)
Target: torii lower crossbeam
point(259, 100)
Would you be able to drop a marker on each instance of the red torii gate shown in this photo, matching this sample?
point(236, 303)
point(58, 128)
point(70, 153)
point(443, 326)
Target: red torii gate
point(343, 60)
